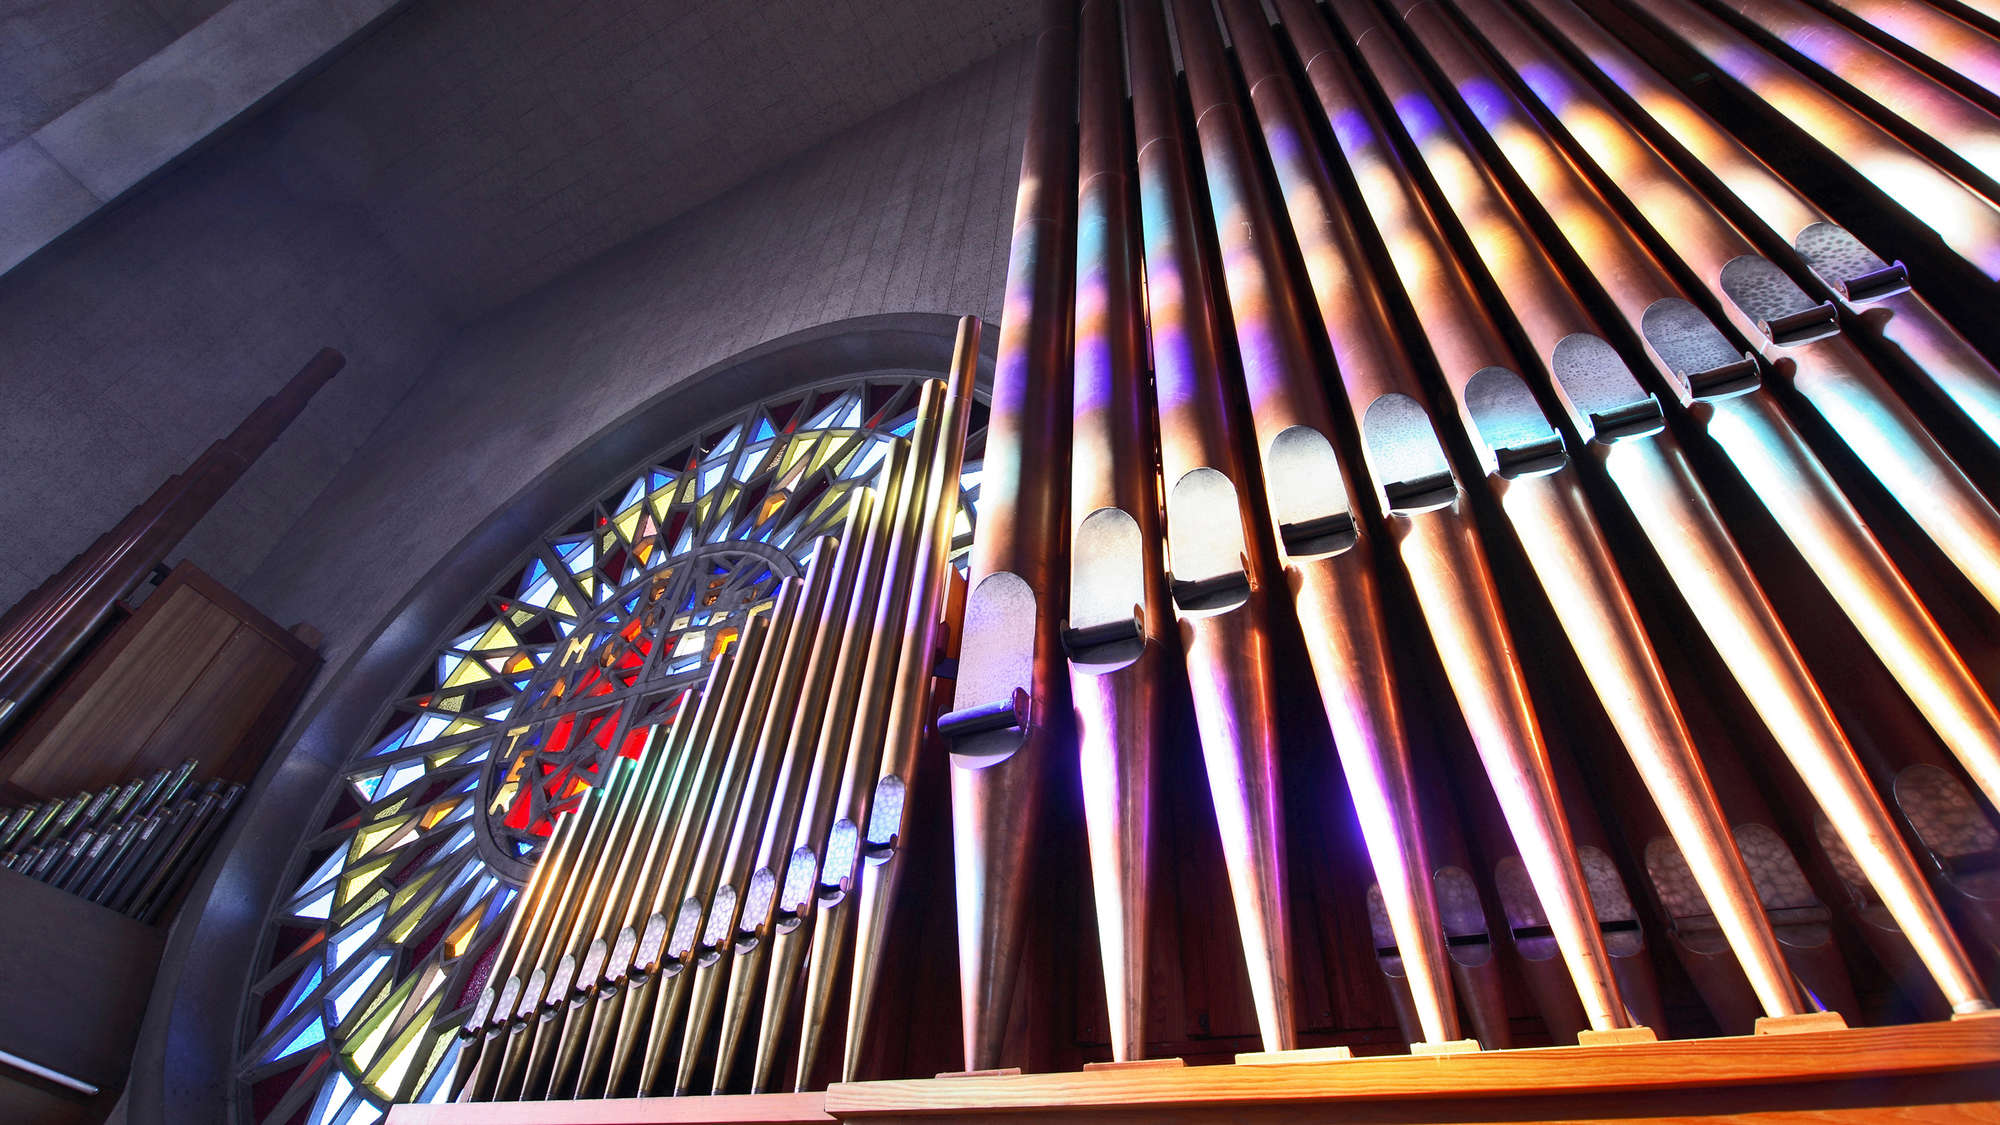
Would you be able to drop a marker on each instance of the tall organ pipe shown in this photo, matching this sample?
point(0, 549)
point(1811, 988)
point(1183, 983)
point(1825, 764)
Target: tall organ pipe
point(1010, 691)
point(1616, 420)
point(771, 834)
point(1327, 559)
point(1966, 221)
point(1879, 294)
point(826, 888)
point(1116, 633)
point(1802, 340)
point(1460, 599)
point(1719, 387)
point(1802, 343)
point(1372, 365)
point(1220, 569)
point(1926, 107)
point(1947, 45)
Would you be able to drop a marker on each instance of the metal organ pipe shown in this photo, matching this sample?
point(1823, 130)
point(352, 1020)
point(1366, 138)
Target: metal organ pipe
point(1522, 459)
point(1832, 376)
point(1010, 717)
point(1581, 252)
point(1780, 469)
point(1878, 295)
point(1615, 418)
point(1117, 633)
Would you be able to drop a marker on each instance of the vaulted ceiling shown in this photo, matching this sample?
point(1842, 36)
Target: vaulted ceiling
point(497, 143)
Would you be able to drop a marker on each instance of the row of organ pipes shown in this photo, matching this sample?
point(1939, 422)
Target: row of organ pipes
point(1393, 325)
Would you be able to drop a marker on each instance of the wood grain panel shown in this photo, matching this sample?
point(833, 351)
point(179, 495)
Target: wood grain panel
point(229, 695)
point(196, 673)
point(95, 733)
point(1673, 1064)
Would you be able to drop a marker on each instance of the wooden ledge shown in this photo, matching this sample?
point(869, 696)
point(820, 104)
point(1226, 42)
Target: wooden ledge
point(1689, 1080)
point(735, 1109)
point(1668, 1064)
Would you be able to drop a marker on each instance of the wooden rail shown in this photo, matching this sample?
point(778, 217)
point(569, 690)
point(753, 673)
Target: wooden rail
point(1935, 1072)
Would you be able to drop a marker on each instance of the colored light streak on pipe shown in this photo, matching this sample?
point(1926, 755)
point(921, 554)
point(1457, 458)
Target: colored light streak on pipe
point(1820, 522)
point(1819, 360)
point(1945, 39)
point(1623, 424)
point(1365, 715)
point(1897, 316)
point(1826, 369)
point(1464, 615)
point(1221, 572)
point(1925, 105)
point(1011, 660)
point(1965, 220)
point(1117, 632)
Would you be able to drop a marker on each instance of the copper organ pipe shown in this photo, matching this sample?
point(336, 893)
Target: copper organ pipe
point(1878, 294)
point(1967, 221)
point(1446, 561)
point(1117, 628)
point(1011, 683)
point(1947, 46)
point(1616, 419)
point(1762, 445)
point(1929, 109)
point(1805, 345)
point(1220, 572)
point(1371, 743)
point(1323, 553)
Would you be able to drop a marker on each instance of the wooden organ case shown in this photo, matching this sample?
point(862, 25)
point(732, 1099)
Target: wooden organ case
point(1486, 607)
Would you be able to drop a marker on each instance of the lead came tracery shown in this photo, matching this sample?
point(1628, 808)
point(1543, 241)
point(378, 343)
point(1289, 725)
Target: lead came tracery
point(564, 668)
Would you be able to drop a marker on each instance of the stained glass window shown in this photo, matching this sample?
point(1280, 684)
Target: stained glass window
point(394, 911)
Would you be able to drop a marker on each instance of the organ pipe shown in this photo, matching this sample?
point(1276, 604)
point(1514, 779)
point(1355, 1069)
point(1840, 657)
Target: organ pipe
point(1396, 289)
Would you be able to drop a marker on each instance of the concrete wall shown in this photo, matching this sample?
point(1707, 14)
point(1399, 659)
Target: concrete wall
point(909, 211)
point(55, 53)
point(128, 348)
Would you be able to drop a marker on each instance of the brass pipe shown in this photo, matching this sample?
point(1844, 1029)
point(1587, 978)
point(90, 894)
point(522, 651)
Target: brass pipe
point(796, 891)
point(634, 987)
point(668, 750)
point(1824, 367)
point(840, 854)
point(1928, 108)
point(771, 835)
point(1718, 386)
point(739, 790)
point(912, 710)
point(1456, 591)
point(1010, 681)
point(591, 905)
point(531, 973)
point(614, 962)
point(708, 955)
point(711, 768)
point(1874, 292)
point(1963, 218)
point(1615, 418)
point(1369, 729)
point(477, 1064)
